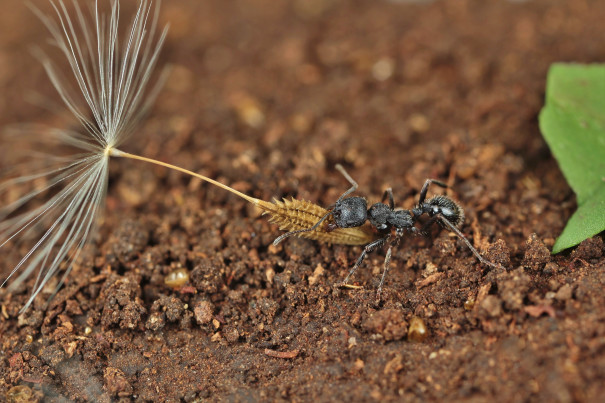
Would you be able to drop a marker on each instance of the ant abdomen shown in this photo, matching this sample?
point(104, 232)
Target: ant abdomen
point(447, 207)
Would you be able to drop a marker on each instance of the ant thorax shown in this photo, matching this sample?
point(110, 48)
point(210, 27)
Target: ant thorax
point(378, 215)
point(401, 219)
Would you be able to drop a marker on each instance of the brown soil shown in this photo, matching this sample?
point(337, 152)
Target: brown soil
point(267, 96)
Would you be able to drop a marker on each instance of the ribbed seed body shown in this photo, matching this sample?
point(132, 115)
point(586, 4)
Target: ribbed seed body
point(292, 215)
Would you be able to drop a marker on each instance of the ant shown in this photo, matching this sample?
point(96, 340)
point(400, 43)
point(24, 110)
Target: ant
point(353, 211)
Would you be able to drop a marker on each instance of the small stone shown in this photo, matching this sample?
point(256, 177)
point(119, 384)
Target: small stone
point(418, 331)
point(383, 69)
point(203, 311)
point(231, 334)
point(177, 278)
point(564, 293)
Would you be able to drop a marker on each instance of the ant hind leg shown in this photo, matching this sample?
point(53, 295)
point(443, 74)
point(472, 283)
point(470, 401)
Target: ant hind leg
point(387, 262)
point(460, 235)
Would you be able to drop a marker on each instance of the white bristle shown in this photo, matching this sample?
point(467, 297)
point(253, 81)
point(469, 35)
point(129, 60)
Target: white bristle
point(106, 93)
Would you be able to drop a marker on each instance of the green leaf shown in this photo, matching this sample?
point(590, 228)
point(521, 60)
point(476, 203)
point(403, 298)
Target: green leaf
point(586, 222)
point(573, 124)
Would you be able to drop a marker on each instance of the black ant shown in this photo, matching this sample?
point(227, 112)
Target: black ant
point(350, 212)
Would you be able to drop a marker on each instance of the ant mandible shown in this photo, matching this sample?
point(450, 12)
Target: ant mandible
point(353, 211)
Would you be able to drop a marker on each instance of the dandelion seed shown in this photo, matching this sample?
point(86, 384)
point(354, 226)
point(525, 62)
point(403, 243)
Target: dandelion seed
point(110, 80)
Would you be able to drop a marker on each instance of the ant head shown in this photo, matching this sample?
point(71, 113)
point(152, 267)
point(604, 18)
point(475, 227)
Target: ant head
point(350, 212)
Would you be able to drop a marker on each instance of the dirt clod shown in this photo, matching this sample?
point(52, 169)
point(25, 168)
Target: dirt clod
point(390, 324)
point(207, 276)
point(123, 305)
point(116, 383)
point(592, 248)
point(203, 311)
point(536, 253)
point(564, 293)
point(513, 287)
point(499, 253)
point(491, 307)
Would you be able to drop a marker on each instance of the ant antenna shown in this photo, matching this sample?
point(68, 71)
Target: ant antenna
point(353, 188)
point(389, 193)
point(354, 184)
point(425, 188)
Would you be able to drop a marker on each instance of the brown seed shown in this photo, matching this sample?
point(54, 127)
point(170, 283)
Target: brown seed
point(177, 278)
point(293, 215)
point(418, 331)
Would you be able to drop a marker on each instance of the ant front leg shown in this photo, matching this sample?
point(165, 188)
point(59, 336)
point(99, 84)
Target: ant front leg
point(367, 249)
point(425, 188)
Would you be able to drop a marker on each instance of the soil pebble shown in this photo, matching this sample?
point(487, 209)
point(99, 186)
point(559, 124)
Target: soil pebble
point(390, 324)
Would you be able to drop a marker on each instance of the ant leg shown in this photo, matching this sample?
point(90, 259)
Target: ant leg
point(288, 234)
point(387, 261)
point(468, 244)
point(425, 188)
point(367, 249)
point(354, 184)
point(389, 193)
